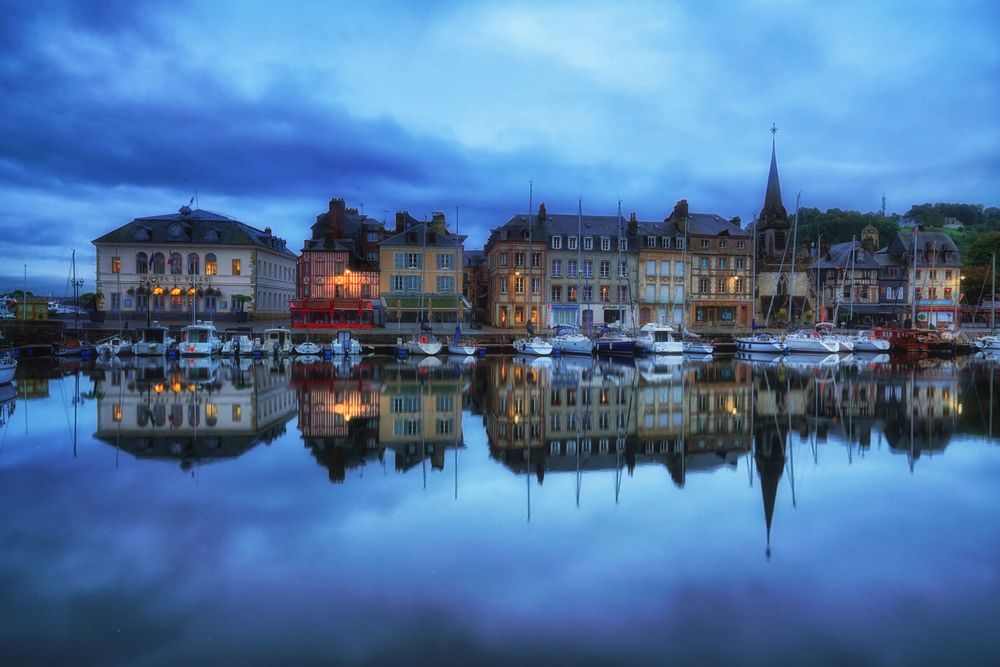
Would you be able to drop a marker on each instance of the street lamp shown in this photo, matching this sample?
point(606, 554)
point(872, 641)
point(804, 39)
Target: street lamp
point(196, 283)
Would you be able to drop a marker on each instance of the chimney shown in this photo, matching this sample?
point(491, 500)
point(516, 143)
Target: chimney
point(267, 231)
point(335, 223)
point(680, 211)
point(736, 220)
point(438, 223)
point(541, 213)
point(400, 221)
point(633, 224)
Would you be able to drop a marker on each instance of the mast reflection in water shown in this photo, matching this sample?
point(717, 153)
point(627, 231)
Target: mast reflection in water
point(515, 510)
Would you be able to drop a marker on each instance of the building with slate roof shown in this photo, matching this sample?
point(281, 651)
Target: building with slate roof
point(719, 257)
point(338, 278)
point(662, 268)
point(931, 262)
point(421, 271)
point(193, 263)
point(778, 289)
point(562, 269)
point(848, 278)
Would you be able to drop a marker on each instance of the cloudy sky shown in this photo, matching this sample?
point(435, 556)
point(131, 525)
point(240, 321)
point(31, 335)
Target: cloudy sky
point(113, 110)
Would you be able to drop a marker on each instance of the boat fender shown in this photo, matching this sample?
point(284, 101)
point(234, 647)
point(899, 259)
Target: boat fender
point(423, 339)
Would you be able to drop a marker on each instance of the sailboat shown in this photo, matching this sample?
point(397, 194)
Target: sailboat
point(74, 346)
point(991, 342)
point(568, 339)
point(423, 342)
point(614, 338)
point(531, 344)
point(466, 347)
point(8, 366)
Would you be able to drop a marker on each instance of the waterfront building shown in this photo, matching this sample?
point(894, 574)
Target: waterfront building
point(571, 271)
point(193, 263)
point(661, 269)
point(778, 288)
point(421, 267)
point(848, 278)
point(933, 272)
point(338, 274)
point(719, 258)
point(475, 283)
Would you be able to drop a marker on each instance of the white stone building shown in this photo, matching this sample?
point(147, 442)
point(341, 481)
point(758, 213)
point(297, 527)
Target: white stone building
point(173, 263)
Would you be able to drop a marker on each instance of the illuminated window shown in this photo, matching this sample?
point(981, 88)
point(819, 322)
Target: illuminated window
point(211, 414)
point(237, 413)
point(211, 265)
point(236, 267)
point(116, 265)
point(116, 413)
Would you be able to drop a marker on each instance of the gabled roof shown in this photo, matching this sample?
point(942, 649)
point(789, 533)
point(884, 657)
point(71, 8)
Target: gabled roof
point(712, 224)
point(194, 226)
point(938, 244)
point(436, 236)
point(839, 257)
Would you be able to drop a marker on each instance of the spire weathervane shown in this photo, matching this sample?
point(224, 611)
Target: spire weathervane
point(774, 129)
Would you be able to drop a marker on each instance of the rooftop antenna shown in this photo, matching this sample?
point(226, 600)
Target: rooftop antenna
point(362, 208)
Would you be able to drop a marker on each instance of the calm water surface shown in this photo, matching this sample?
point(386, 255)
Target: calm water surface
point(509, 511)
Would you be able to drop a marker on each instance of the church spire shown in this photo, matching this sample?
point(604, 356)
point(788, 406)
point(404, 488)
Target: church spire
point(773, 213)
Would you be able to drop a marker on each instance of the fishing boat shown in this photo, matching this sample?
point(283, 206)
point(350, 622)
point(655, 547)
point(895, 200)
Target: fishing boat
point(569, 340)
point(113, 347)
point(805, 341)
point(277, 341)
point(871, 341)
point(760, 343)
point(907, 341)
point(345, 344)
point(199, 340)
point(153, 341)
point(240, 344)
point(73, 347)
point(463, 346)
point(424, 344)
point(308, 348)
point(8, 366)
point(658, 339)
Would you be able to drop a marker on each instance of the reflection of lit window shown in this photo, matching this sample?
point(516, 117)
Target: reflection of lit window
point(237, 413)
point(211, 414)
point(116, 413)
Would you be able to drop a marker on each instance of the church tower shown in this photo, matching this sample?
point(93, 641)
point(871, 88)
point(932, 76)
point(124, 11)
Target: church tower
point(773, 228)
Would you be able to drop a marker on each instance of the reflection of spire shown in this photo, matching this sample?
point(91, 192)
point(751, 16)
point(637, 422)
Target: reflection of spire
point(770, 460)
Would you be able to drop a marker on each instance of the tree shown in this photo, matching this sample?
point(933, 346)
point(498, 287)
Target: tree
point(240, 300)
point(92, 300)
point(981, 249)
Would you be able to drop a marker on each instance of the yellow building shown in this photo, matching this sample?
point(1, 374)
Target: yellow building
point(421, 272)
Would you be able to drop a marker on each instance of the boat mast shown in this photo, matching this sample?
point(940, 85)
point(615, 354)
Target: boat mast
point(76, 296)
point(818, 305)
point(527, 264)
point(753, 276)
point(795, 238)
point(684, 262)
point(854, 258)
point(913, 306)
point(618, 271)
point(579, 262)
point(993, 303)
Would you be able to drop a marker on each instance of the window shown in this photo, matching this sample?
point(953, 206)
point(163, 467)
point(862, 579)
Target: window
point(116, 265)
point(739, 285)
point(740, 245)
point(588, 243)
point(605, 293)
point(847, 291)
point(679, 269)
point(650, 267)
point(536, 286)
point(665, 268)
point(623, 269)
point(720, 286)
point(141, 263)
point(237, 266)
point(536, 260)
point(372, 256)
point(722, 261)
point(557, 267)
point(571, 268)
point(116, 301)
point(518, 259)
point(588, 293)
point(211, 265)
point(665, 242)
point(503, 259)
point(704, 243)
point(650, 293)
point(556, 242)
point(605, 268)
point(159, 263)
point(588, 268)
point(741, 263)
point(571, 293)
point(372, 237)
point(605, 243)
point(947, 293)
point(412, 283)
point(947, 275)
point(722, 243)
point(176, 264)
point(572, 242)
point(918, 274)
point(557, 293)
point(703, 262)
point(193, 262)
point(650, 241)
point(623, 244)
point(519, 284)
point(446, 260)
point(445, 284)
point(413, 260)
point(623, 293)
point(503, 285)
point(703, 284)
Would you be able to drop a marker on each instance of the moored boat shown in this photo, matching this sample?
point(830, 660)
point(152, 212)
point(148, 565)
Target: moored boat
point(760, 343)
point(658, 339)
point(871, 341)
point(569, 340)
point(199, 340)
point(533, 345)
point(277, 341)
point(345, 344)
point(811, 342)
point(153, 341)
point(425, 344)
point(240, 344)
point(308, 348)
point(906, 341)
point(114, 346)
point(8, 366)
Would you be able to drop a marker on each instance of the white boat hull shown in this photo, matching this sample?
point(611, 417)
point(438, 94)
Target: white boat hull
point(659, 347)
point(308, 348)
point(7, 372)
point(572, 344)
point(429, 348)
point(760, 346)
point(142, 349)
point(811, 346)
point(197, 349)
point(337, 348)
point(462, 350)
point(699, 348)
point(533, 346)
point(874, 345)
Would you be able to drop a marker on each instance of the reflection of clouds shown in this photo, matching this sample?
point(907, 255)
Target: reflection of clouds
point(388, 571)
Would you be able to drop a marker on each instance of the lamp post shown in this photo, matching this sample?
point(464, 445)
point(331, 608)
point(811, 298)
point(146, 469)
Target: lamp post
point(146, 285)
point(196, 283)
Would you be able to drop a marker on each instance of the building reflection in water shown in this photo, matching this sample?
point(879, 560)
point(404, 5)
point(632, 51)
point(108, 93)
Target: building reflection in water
point(192, 410)
point(352, 412)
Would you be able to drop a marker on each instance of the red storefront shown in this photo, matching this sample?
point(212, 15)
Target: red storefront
point(331, 294)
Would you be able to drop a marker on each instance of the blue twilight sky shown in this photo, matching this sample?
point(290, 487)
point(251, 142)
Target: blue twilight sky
point(112, 110)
